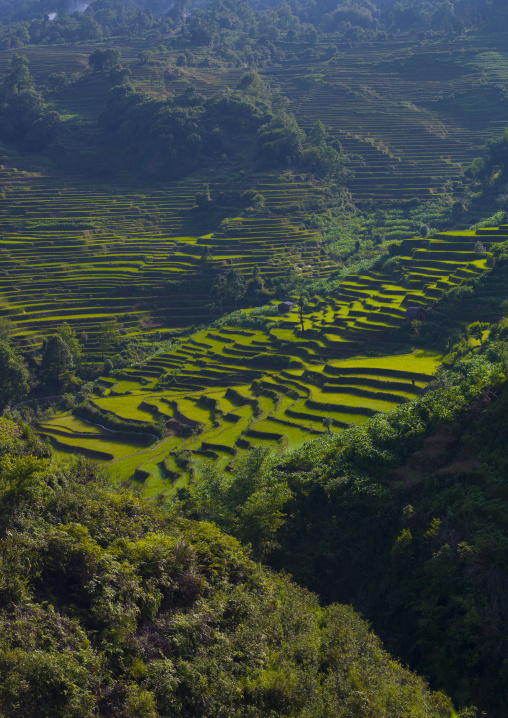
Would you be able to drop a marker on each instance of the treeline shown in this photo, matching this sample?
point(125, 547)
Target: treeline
point(225, 23)
point(168, 138)
point(113, 606)
point(164, 139)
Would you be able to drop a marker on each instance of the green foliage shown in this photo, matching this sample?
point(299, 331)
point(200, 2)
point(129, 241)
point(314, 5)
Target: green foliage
point(476, 330)
point(445, 452)
point(14, 377)
point(228, 287)
point(170, 137)
point(57, 362)
point(101, 60)
point(303, 300)
point(6, 330)
point(280, 140)
point(23, 115)
point(245, 503)
point(109, 337)
point(68, 335)
point(112, 606)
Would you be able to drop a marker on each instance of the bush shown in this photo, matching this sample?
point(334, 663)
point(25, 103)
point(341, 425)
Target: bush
point(111, 606)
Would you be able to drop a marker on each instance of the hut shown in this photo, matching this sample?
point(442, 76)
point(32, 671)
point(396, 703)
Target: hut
point(285, 307)
point(416, 313)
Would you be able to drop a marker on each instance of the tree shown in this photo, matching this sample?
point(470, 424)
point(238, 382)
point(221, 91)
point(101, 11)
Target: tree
point(328, 423)
point(57, 363)
point(109, 337)
point(102, 60)
point(145, 56)
point(178, 10)
point(119, 74)
point(494, 163)
point(14, 376)
point(251, 83)
point(303, 300)
point(22, 107)
point(281, 139)
point(459, 207)
point(235, 285)
point(204, 199)
point(317, 134)
point(205, 255)
point(219, 289)
point(18, 79)
point(6, 329)
point(256, 284)
point(69, 337)
point(248, 503)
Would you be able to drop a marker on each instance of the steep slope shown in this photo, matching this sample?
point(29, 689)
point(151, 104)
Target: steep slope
point(112, 607)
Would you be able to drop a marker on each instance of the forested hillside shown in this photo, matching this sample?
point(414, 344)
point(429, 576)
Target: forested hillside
point(405, 516)
point(113, 607)
point(46, 21)
point(253, 322)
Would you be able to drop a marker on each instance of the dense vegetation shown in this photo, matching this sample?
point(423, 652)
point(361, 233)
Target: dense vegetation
point(113, 607)
point(50, 21)
point(161, 167)
point(404, 516)
point(170, 138)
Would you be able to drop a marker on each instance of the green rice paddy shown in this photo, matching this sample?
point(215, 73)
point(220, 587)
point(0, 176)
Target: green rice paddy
point(238, 387)
point(86, 254)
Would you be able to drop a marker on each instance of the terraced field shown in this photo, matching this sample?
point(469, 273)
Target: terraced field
point(87, 255)
point(411, 110)
point(258, 379)
point(415, 112)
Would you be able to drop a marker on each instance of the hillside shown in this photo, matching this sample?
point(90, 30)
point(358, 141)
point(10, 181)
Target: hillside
point(264, 379)
point(403, 516)
point(249, 290)
point(111, 606)
point(120, 243)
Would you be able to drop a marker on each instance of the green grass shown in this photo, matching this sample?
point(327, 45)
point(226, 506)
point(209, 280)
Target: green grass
point(126, 407)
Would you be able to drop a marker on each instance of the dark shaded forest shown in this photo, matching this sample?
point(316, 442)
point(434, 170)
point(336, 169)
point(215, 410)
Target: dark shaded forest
point(48, 21)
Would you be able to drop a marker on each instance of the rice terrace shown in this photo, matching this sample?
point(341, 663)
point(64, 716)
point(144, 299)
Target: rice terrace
point(253, 358)
point(273, 380)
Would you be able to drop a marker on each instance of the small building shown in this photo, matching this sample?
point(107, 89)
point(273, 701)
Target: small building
point(416, 313)
point(285, 307)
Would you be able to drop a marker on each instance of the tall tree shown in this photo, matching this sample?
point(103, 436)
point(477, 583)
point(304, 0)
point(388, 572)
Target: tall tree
point(302, 303)
point(57, 363)
point(18, 78)
point(219, 289)
point(109, 337)
point(102, 60)
point(235, 285)
point(68, 335)
point(13, 376)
